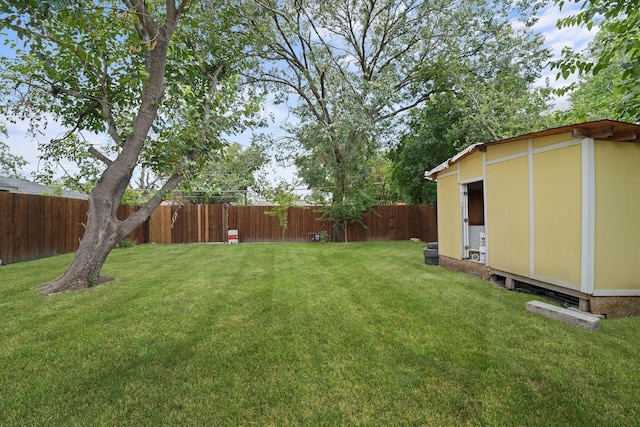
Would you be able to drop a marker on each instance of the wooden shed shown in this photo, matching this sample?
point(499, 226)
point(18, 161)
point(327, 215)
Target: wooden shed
point(556, 210)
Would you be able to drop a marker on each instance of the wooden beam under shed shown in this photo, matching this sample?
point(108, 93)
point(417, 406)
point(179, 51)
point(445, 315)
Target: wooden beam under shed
point(605, 133)
point(599, 133)
point(580, 133)
point(624, 136)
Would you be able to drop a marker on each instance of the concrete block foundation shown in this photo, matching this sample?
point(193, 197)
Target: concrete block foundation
point(469, 267)
point(615, 306)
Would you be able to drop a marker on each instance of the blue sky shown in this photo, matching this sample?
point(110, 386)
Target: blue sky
point(577, 38)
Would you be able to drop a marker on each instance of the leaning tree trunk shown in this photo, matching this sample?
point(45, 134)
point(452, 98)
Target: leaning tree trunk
point(102, 233)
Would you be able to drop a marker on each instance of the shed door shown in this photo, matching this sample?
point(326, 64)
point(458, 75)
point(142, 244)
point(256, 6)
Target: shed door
point(472, 207)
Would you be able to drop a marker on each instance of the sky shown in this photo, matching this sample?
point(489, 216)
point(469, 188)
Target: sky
point(575, 37)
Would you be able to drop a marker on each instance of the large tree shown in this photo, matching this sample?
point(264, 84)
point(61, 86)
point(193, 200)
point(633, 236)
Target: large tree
point(354, 67)
point(10, 164)
point(160, 78)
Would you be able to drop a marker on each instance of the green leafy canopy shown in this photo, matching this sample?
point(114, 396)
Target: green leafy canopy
point(619, 47)
point(85, 66)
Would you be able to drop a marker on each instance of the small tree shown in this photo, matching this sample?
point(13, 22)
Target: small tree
point(350, 210)
point(285, 198)
point(226, 178)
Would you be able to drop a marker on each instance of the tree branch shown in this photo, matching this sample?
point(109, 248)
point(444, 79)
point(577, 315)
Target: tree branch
point(299, 90)
point(99, 155)
point(135, 219)
point(107, 112)
point(148, 30)
point(406, 107)
point(57, 90)
point(327, 48)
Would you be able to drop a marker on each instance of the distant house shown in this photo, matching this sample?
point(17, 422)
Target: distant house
point(22, 186)
point(297, 203)
point(557, 209)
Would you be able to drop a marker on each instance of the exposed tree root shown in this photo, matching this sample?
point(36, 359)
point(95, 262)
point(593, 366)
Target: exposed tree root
point(65, 284)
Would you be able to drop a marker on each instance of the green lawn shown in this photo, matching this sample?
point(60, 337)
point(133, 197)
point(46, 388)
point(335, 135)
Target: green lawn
point(300, 334)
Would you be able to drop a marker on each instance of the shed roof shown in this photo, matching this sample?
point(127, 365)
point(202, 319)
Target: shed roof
point(607, 130)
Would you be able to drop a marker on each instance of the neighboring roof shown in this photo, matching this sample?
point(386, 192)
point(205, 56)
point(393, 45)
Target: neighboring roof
point(23, 186)
point(298, 203)
point(606, 130)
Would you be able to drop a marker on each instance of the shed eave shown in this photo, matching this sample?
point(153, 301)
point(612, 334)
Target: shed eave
point(608, 130)
point(432, 174)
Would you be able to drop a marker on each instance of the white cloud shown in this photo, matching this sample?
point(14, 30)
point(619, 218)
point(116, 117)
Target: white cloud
point(575, 37)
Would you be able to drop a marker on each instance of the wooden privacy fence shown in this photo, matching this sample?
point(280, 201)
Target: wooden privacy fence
point(39, 226)
point(210, 223)
point(34, 227)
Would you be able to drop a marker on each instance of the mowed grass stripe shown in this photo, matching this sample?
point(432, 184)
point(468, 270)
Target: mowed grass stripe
point(299, 334)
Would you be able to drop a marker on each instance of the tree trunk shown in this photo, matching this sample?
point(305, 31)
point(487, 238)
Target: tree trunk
point(338, 230)
point(102, 233)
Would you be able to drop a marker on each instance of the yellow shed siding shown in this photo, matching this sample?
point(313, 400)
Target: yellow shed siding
point(498, 151)
point(507, 216)
point(551, 140)
point(471, 167)
point(557, 214)
point(617, 231)
point(449, 221)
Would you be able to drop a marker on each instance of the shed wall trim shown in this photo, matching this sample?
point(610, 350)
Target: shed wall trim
point(557, 146)
point(464, 216)
point(444, 175)
point(588, 215)
point(484, 207)
point(532, 244)
point(507, 158)
point(472, 180)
